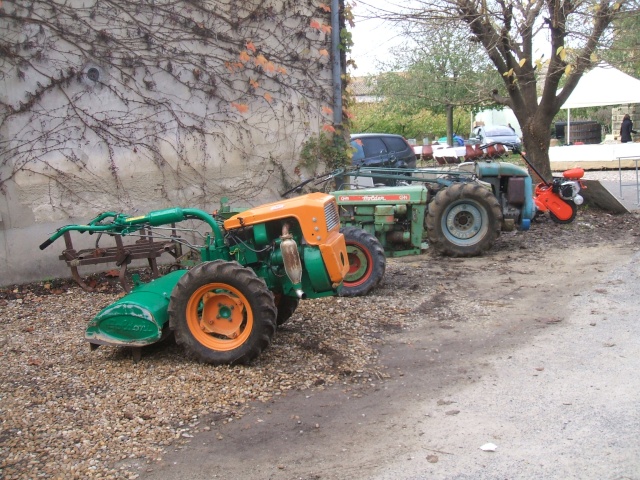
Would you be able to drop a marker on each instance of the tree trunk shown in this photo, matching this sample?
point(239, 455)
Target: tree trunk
point(537, 139)
point(450, 125)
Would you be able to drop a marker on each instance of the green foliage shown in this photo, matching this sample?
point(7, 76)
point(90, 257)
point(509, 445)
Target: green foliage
point(439, 67)
point(380, 118)
point(346, 40)
point(624, 50)
point(332, 151)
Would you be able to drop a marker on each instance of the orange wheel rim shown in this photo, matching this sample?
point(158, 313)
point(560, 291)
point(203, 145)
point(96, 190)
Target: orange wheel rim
point(360, 265)
point(219, 316)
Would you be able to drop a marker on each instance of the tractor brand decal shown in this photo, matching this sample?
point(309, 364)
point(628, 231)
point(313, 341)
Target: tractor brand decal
point(277, 207)
point(116, 327)
point(374, 198)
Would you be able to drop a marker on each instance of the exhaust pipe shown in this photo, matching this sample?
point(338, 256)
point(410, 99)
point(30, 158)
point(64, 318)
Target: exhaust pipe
point(291, 260)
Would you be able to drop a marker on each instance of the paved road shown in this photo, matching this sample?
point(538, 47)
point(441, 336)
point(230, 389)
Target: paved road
point(564, 407)
point(558, 396)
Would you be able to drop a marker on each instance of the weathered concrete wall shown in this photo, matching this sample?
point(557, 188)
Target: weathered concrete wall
point(217, 105)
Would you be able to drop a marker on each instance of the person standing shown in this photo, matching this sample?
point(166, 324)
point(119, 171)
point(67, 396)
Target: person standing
point(626, 129)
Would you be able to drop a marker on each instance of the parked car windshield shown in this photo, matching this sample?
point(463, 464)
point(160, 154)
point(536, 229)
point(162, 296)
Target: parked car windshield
point(498, 132)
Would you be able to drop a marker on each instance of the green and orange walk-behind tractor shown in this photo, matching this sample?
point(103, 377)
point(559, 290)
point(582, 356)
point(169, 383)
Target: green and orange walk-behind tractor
point(254, 268)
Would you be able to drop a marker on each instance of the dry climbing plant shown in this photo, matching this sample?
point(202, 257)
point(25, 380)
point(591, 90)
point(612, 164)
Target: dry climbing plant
point(202, 98)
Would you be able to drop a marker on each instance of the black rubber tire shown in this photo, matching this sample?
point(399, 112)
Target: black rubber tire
point(286, 307)
point(463, 220)
point(367, 262)
point(229, 300)
point(574, 211)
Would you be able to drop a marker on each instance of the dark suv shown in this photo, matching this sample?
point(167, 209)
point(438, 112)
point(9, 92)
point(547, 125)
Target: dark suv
point(382, 150)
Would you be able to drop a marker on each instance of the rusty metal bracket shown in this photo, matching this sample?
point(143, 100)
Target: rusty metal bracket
point(121, 255)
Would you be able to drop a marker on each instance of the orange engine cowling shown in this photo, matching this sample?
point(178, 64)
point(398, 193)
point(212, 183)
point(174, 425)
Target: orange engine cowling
point(319, 222)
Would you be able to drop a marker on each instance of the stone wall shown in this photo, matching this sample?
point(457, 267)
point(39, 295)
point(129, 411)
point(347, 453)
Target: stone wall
point(618, 113)
point(131, 107)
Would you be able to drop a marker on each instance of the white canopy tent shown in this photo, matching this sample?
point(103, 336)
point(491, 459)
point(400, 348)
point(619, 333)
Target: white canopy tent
point(603, 85)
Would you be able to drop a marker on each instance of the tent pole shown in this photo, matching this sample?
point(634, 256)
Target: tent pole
point(568, 135)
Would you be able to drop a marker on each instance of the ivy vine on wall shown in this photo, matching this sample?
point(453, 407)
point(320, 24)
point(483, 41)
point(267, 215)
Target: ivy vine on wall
point(202, 98)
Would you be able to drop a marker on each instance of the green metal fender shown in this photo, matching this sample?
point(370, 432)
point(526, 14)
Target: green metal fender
point(490, 169)
point(499, 169)
point(138, 318)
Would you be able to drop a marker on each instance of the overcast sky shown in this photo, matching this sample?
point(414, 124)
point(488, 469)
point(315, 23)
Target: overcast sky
point(374, 39)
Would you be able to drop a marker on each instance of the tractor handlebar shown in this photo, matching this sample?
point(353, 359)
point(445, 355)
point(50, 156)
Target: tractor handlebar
point(46, 243)
point(122, 224)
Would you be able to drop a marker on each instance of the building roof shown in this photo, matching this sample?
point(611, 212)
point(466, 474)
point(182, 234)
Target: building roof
point(362, 86)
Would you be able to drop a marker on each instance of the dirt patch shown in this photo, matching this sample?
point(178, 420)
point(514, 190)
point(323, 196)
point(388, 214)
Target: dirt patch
point(450, 324)
point(332, 398)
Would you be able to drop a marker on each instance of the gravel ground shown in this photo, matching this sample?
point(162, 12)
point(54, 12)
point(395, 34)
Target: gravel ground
point(70, 413)
point(615, 176)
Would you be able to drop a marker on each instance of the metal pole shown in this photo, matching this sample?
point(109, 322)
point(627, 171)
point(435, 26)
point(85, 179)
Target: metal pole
point(337, 67)
point(620, 175)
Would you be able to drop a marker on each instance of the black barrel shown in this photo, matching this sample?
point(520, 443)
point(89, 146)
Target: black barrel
point(584, 131)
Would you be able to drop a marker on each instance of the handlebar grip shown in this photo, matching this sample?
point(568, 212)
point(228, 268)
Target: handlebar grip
point(46, 244)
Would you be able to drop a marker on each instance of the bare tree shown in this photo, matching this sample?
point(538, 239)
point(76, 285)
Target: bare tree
point(507, 30)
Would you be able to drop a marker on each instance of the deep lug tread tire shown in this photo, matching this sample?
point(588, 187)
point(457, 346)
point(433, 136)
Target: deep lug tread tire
point(485, 212)
point(230, 282)
point(286, 307)
point(369, 254)
point(574, 211)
